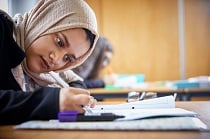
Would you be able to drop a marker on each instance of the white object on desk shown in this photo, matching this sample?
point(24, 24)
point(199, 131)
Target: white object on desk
point(156, 107)
point(160, 102)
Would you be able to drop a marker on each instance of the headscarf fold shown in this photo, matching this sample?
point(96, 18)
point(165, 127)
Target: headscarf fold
point(50, 16)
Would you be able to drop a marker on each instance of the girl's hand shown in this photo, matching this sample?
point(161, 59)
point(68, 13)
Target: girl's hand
point(74, 98)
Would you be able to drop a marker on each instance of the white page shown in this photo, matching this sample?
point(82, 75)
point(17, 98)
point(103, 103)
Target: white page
point(162, 106)
point(134, 114)
point(160, 102)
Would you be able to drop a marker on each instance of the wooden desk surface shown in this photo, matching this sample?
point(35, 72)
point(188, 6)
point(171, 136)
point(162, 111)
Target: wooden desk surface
point(183, 94)
point(153, 89)
point(202, 108)
point(160, 89)
point(102, 93)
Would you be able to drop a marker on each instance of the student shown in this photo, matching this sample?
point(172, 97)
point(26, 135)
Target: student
point(53, 36)
point(91, 69)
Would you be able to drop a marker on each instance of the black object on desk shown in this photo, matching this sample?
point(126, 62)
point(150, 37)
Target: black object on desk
point(73, 116)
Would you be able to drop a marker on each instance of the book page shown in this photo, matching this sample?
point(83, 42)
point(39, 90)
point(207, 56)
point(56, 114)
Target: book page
point(160, 102)
point(156, 107)
point(136, 114)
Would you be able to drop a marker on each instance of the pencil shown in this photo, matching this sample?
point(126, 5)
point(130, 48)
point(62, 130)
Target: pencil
point(64, 84)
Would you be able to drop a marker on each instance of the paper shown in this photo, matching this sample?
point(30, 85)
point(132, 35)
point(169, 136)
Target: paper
point(161, 102)
point(157, 107)
point(149, 113)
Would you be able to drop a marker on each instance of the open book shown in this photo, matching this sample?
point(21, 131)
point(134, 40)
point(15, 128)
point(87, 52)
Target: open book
point(152, 114)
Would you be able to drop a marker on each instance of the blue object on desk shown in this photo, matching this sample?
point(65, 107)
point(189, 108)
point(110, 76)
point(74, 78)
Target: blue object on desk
point(74, 116)
point(181, 84)
point(138, 77)
point(67, 116)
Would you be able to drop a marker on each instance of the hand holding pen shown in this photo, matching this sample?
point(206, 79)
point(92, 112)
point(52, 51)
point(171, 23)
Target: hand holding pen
point(73, 98)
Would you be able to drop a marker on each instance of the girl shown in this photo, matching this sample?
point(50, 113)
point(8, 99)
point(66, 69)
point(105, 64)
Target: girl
point(54, 36)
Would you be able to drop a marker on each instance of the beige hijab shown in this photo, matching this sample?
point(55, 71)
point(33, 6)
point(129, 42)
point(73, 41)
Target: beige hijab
point(50, 16)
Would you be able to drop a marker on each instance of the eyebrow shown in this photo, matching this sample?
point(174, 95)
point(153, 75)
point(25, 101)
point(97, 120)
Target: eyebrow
point(68, 44)
point(65, 39)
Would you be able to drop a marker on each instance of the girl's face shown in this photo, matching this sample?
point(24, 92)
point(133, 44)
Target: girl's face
point(57, 51)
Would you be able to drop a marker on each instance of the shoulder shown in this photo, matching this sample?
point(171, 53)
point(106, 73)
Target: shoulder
point(6, 22)
point(8, 46)
point(6, 15)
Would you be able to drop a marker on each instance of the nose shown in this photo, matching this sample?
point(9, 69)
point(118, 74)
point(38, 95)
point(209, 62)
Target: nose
point(56, 59)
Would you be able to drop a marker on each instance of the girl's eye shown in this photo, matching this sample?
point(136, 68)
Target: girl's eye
point(59, 42)
point(68, 58)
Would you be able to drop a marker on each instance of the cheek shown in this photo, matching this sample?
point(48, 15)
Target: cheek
point(82, 50)
point(34, 52)
point(32, 63)
point(30, 54)
point(42, 42)
point(39, 46)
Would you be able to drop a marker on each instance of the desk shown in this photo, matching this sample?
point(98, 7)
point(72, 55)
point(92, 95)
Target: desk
point(196, 92)
point(102, 93)
point(202, 108)
point(182, 94)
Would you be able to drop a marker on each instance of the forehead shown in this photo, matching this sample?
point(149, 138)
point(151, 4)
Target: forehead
point(75, 34)
point(77, 40)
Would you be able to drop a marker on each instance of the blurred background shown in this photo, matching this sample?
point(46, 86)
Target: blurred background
point(162, 39)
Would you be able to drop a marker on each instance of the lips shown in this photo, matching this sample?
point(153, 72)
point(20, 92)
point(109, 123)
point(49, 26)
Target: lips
point(45, 64)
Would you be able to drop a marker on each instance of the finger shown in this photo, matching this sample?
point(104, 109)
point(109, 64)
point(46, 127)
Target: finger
point(81, 99)
point(79, 109)
point(92, 102)
point(92, 105)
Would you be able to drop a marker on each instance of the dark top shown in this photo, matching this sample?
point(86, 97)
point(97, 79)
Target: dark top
point(94, 83)
point(17, 106)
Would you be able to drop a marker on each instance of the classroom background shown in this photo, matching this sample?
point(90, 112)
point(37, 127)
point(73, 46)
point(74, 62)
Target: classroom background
point(162, 39)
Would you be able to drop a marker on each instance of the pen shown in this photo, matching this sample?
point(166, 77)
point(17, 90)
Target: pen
point(73, 116)
point(61, 82)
